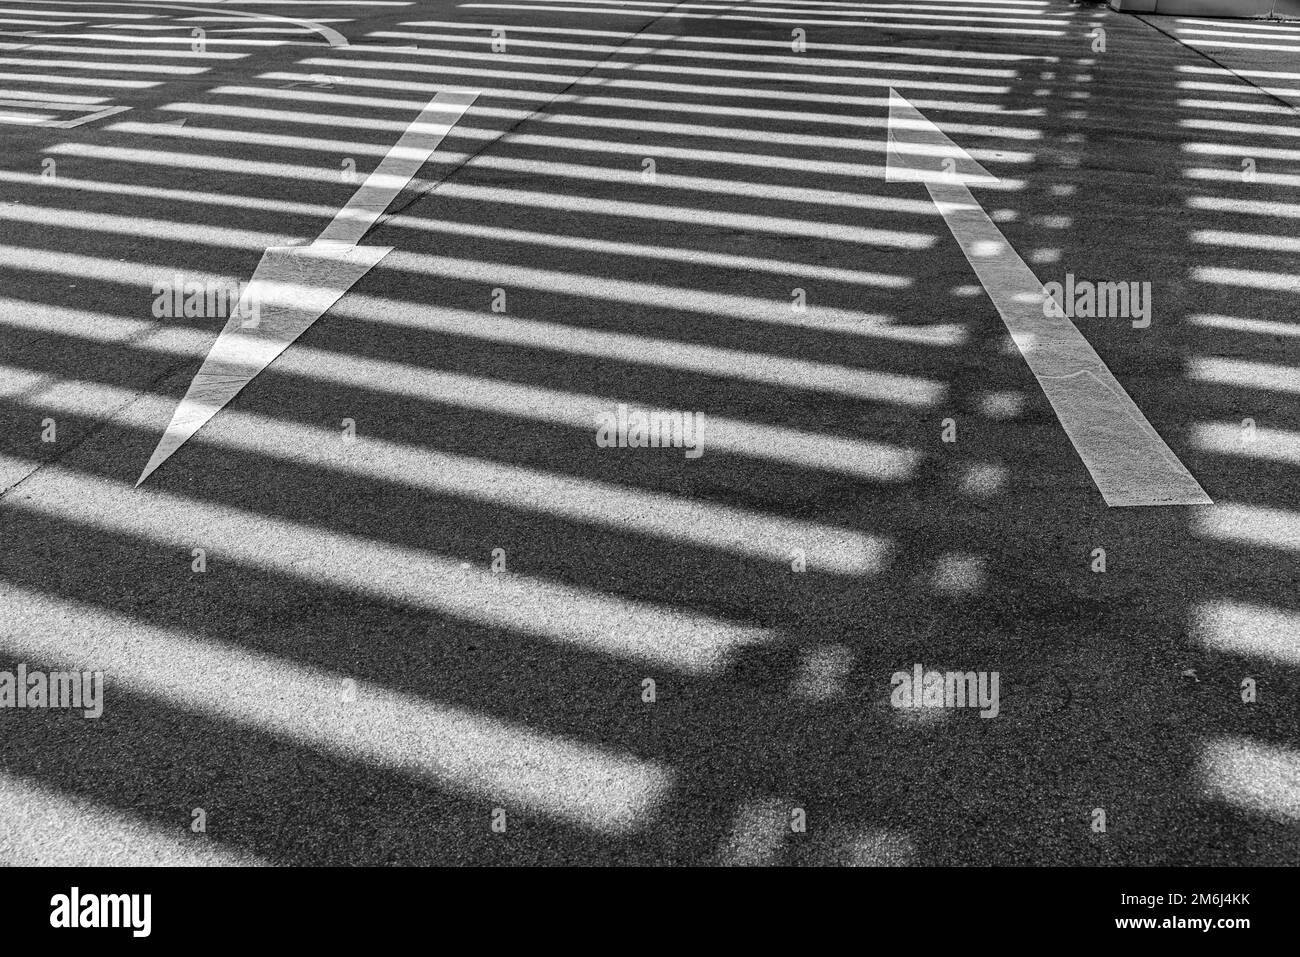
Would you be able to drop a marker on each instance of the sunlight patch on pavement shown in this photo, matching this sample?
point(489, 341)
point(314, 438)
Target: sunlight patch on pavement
point(43, 827)
point(464, 751)
point(1252, 776)
point(668, 636)
point(1248, 629)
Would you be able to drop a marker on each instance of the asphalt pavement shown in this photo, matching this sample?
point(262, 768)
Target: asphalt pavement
point(395, 603)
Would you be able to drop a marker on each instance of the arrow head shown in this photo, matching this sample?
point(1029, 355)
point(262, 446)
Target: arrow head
point(917, 151)
point(292, 287)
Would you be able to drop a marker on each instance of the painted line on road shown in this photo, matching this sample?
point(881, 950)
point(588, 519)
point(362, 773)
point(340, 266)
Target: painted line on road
point(293, 286)
point(332, 36)
point(1124, 454)
point(397, 168)
point(1126, 457)
point(49, 123)
point(44, 105)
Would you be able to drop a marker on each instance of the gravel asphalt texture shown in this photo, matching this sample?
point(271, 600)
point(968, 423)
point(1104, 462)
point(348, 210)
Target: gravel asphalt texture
point(349, 680)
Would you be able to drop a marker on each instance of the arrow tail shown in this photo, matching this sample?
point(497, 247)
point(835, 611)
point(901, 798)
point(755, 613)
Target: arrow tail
point(397, 168)
point(1126, 457)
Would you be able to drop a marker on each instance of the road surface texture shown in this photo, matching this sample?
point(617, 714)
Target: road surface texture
point(395, 604)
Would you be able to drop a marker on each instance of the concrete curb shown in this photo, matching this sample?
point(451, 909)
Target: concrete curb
point(1237, 9)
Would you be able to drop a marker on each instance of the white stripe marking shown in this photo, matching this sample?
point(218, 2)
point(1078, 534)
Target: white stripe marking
point(397, 168)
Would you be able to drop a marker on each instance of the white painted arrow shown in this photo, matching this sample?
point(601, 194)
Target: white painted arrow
point(293, 286)
point(332, 36)
point(1126, 457)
